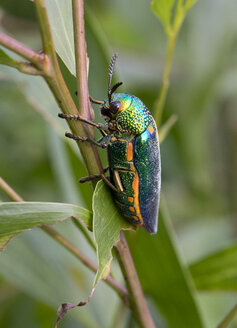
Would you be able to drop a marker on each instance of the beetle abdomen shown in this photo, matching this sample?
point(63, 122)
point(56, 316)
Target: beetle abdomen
point(147, 163)
point(135, 168)
point(124, 176)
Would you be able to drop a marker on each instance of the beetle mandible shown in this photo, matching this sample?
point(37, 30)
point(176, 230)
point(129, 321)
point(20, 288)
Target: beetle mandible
point(131, 138)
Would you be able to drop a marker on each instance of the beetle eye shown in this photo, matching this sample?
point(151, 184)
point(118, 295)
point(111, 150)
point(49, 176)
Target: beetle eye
point(114, 106)
point(105, 111)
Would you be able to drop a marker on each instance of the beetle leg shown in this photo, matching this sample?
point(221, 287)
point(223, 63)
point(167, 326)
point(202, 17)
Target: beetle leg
point(94, 176)
point(106, 180)
point(99, 176)
point(99, 102)
point(118, 180)
point(99, 126)
point(103, 142)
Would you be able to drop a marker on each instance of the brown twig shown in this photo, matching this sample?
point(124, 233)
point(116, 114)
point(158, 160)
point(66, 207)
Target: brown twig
point(81, 56)
point(81, 71)
point(21, 49)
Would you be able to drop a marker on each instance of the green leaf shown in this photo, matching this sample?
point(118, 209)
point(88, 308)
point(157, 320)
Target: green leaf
point(163, 9)
point(107, 223)
point(217, 271)
point(163, 276)
point(17, 217)
point(60, 16)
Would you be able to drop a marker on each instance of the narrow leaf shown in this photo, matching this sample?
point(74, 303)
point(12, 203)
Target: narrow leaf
point(107, 223)
point(17, 217)
point(217, 271)
point(162, 9)
point(60, 16)
point(163, 275)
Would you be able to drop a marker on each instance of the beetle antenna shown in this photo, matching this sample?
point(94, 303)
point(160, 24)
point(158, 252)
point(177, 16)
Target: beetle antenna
point(111, 69)
point(115, 87)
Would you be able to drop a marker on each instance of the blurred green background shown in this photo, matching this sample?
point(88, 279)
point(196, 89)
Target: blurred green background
point(199, 157)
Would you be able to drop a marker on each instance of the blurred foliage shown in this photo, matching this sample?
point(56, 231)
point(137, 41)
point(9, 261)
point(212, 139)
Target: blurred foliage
point(199, 157)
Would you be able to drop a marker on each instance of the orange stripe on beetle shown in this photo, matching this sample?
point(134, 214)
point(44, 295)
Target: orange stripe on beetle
point(130, 152)
point(135, 187)
point(150, 129)
point(135, 218)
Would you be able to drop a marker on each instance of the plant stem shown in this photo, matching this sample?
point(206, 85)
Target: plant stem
point(84, 231)
point(165, 128)
point(9, 191)
point(85, 109)
point(229, 317)
point(159, 105)
point(81, 56)
point(21, 49)
point(172, 34)
point(138, 301)
point(122, 291)
point(45, 31)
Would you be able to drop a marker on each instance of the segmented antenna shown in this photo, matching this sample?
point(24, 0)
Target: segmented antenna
point(111, 69)
point(115, 87)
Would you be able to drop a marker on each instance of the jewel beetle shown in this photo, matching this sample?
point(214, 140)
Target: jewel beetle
point(131, 138)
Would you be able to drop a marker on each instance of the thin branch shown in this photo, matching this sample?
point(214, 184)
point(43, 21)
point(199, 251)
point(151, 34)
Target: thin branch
point(229, 317)
point(81, 72)
point(27, 68)
point(84, 231)
point(159, 105)
point(165, 128)
point(172, 36)
point(9, 191)
point(138, 301)
point(45, 32)
point(21, 49)
point(23, 67)
point(122, 291)
point(81, 55)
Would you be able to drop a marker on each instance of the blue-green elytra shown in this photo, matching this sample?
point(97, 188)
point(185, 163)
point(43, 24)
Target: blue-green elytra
point(131, 138)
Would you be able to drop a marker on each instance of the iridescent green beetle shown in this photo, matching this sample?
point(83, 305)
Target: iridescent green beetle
point(131, 139)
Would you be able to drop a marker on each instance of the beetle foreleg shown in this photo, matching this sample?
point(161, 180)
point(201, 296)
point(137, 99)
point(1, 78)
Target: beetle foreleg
point(94, 142)
point(99, 102)
point(99, 126)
